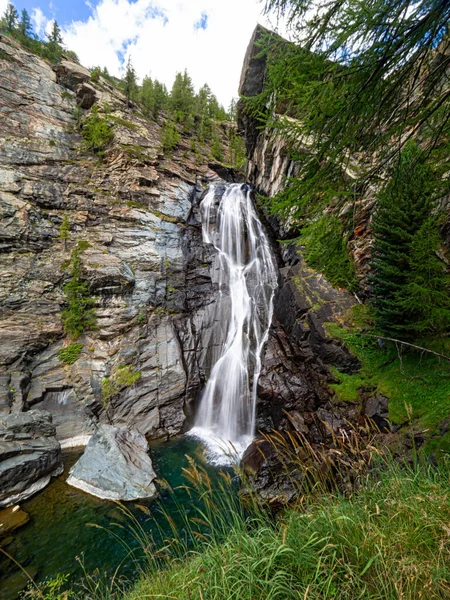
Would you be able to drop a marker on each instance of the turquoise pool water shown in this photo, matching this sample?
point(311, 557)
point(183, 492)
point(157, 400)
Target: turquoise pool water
point(66, 523)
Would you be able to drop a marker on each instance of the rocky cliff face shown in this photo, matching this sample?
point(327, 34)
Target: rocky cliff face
point(136, 214)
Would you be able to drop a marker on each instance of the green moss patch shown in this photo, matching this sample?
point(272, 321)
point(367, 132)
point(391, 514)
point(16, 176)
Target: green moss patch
point(416, 383)
point(70, 353)
point(124, 377)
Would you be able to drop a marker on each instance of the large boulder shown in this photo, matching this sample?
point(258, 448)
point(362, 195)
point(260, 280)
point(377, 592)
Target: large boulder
point(115, 466)
point(29, 455)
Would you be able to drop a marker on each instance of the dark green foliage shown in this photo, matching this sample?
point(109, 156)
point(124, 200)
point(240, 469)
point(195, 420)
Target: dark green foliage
point(365, 77)
point(426, 295)
point(70, 353)
point(182, 97)
point(153, 97)
point(131, 86)
point(326, 250)
point(10, 19)
point(97, 132)
point(237, 156)
point(64, 230)
point(405, 269)
point(79, 315)
point(216, 148)
point(54, 48)
point(25, 27)
point(169, 136)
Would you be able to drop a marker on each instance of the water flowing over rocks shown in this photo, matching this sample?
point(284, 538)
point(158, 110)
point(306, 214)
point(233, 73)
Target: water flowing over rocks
point(115, 466)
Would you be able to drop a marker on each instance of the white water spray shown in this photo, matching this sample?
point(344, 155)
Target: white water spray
point(247, 282)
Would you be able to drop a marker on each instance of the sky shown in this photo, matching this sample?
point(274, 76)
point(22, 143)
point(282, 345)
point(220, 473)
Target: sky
point(163, 37)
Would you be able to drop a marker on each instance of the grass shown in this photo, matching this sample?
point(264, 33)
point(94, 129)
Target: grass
point(416, 383)
point(389, 540)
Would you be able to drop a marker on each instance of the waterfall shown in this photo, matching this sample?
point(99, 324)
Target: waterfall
point(225, 420)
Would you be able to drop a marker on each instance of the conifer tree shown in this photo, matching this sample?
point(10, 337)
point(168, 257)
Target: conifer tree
point(130, 82)
point(404, 251)
point(364, 77)
point(25, 27)
point(54, 44)
point(10, 19)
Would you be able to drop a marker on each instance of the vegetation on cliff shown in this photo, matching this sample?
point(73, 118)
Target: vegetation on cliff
point(363, 101)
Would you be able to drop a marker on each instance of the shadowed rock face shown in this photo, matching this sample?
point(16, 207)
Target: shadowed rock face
point(29, 455)
point(115, 466)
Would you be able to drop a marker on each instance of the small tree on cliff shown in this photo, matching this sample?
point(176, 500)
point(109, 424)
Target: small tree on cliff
point(54, 44)
point(10, 19)
point(131, 86)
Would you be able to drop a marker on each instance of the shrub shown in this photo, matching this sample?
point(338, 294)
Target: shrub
point(97, 132)
point(124, 377)
point(70, 353)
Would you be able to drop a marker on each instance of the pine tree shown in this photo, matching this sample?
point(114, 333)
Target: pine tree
point(25, 27)
point(54, 43)
point(426, 296)
point(147, 97)
point(64, 230)
point(130, 82)
point(10, 19)
point(400, 257)
point(182, 98)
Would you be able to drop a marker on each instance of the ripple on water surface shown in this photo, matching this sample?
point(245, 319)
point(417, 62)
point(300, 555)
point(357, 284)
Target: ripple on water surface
point(66, 523)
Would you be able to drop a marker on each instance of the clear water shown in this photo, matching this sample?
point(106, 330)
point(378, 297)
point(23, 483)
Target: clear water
point(225, 420)
point(61, 518)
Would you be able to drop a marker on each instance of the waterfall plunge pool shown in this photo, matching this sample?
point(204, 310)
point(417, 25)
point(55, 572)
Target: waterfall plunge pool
point(66, 523)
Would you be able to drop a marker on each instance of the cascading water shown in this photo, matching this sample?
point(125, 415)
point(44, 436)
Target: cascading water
point(225, 420)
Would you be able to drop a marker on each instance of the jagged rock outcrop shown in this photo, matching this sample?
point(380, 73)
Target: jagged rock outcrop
point(115, 466)
point(29, 455)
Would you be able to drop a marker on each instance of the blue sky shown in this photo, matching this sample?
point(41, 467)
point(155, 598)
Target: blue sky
point(64, 11)
point(207, 37)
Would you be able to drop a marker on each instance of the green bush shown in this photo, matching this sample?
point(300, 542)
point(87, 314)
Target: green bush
point(97, 132)
point(79, 315)
point(121, 379)
point(70, 353)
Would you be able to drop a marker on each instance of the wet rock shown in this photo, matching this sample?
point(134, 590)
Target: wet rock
point(115, 466)
point(29, 455)
point(12, 518)
point(377, 409)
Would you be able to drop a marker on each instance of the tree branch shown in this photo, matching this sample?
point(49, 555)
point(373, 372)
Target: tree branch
point(389, 339)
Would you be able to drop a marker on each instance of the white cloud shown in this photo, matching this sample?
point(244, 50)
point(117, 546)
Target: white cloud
point(3, 5)
point(40, 22)
point(161, 38)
